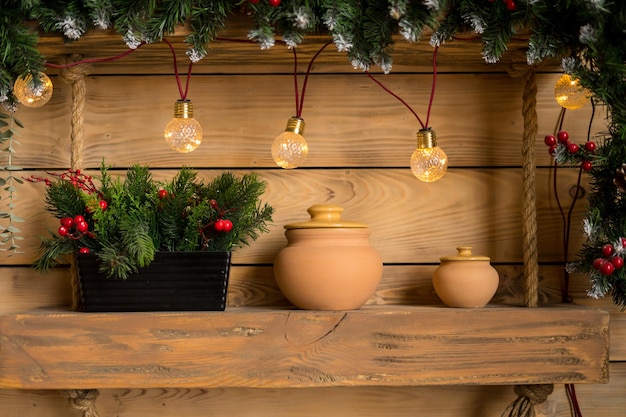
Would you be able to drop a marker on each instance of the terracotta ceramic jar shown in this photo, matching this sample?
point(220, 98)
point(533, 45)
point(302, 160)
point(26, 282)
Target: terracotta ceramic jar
point(465, 280)
point(328, 263)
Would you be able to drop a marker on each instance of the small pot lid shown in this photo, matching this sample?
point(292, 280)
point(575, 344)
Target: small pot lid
point(464, 254)
point(325, 216)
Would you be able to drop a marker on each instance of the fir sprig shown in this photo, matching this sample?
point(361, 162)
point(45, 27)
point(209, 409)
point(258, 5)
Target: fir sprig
point(132, 218)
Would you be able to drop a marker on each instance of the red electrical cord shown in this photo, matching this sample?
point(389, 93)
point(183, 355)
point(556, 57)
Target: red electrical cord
point(300, 98)
point(432, 92)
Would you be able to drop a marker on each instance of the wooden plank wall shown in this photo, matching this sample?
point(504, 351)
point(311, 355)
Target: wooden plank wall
point(360, 142)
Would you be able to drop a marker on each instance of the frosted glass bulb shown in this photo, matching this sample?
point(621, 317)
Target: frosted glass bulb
point(429, 162)
point(31, 95)
point(183, 133)
point(289, 149)
point(569, 93)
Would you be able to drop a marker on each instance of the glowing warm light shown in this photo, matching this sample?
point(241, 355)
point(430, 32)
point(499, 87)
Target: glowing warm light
point(289, 149)
point(32, 94)
point(429, 162)
point(183, 133)
point(569, 93)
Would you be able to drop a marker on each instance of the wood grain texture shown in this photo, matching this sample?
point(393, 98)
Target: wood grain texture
point(606, 400)
point(350, 121)
point(393, 346)
point(482, 210)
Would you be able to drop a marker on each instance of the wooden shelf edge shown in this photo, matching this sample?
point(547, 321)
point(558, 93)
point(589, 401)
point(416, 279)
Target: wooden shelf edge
point(274, 348)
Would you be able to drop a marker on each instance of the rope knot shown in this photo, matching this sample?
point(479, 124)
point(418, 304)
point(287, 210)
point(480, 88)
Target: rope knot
point(74, 73)
point(519, 66)
point(83, 401)
point(536, 394)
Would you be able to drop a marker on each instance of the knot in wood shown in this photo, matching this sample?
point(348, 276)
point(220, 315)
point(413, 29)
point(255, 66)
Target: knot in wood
point(536, 394)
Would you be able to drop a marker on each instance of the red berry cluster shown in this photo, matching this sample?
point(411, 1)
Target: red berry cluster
point(221, 225)
point(610, 260)
point(510, 4)
point(75, 228)
point(583, 152)
point(273, 3)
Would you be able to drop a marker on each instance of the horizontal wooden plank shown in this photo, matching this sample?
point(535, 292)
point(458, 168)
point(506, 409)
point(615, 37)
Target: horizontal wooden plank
point(482, 209)
point(272, 348)
point(350, 121)
point(606, 400)
point(23, 289)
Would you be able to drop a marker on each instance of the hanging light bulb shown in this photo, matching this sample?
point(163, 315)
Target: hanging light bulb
point(183, 133)
point(429, 162)
point(289, 149)
point(32, 94)
point(569, 93)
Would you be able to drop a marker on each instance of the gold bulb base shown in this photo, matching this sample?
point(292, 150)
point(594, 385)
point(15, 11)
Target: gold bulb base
point(295, 125)
point(426, 138)
point(183, 109)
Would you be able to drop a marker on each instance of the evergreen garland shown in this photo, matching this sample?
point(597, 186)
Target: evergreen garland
point(587, 34)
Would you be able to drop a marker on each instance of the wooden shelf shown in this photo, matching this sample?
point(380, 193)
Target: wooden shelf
point(274, 348)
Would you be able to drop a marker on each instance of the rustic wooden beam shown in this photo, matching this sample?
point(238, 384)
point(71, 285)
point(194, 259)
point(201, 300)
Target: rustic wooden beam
point(272, 348)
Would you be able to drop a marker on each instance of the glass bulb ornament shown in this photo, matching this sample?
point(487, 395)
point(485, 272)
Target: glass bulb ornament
point(429, 162)
point(289, 149)
point(183, 133)
point(31, 93)
point(569, 93)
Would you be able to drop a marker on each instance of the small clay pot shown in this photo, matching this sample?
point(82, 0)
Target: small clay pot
point(328, 263)
point(465, 280)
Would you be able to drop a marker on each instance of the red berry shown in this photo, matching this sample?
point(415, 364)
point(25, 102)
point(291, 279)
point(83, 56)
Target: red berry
point(214, 204)
point(549, 140)
point(83, 250)
point(572, 148)
point(623, 239)
point(510, 5)
point(67, 222)
point(219, 225)
point(228, 226)
point(82, 226)
point(274, 3)
point(562, 136)
point(598, 262)
point(607, 250)
point(617, 262)
point(607, 268)
point(78, 219)
point(63, 231)
point(103, 205)
point(552, 149)
point(162, 194)
point(587, 165)
point(590, 146)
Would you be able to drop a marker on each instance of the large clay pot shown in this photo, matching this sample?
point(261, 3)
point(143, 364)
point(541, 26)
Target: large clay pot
point(465, 280)
point(328, 263)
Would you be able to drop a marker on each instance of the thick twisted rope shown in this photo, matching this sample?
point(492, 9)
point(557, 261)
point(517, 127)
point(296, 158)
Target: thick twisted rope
point(76, 76)
point(83, 401)
point(520, 69)
point(528, 395)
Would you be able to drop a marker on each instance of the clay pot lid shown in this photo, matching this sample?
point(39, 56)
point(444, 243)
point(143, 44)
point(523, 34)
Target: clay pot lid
point(464, 254)
point(325, 216)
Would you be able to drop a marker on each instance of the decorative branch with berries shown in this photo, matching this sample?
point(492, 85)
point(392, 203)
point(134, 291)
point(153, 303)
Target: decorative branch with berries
point(125, 221)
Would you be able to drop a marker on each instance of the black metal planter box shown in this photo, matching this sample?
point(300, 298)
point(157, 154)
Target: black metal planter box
point(174, 281)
